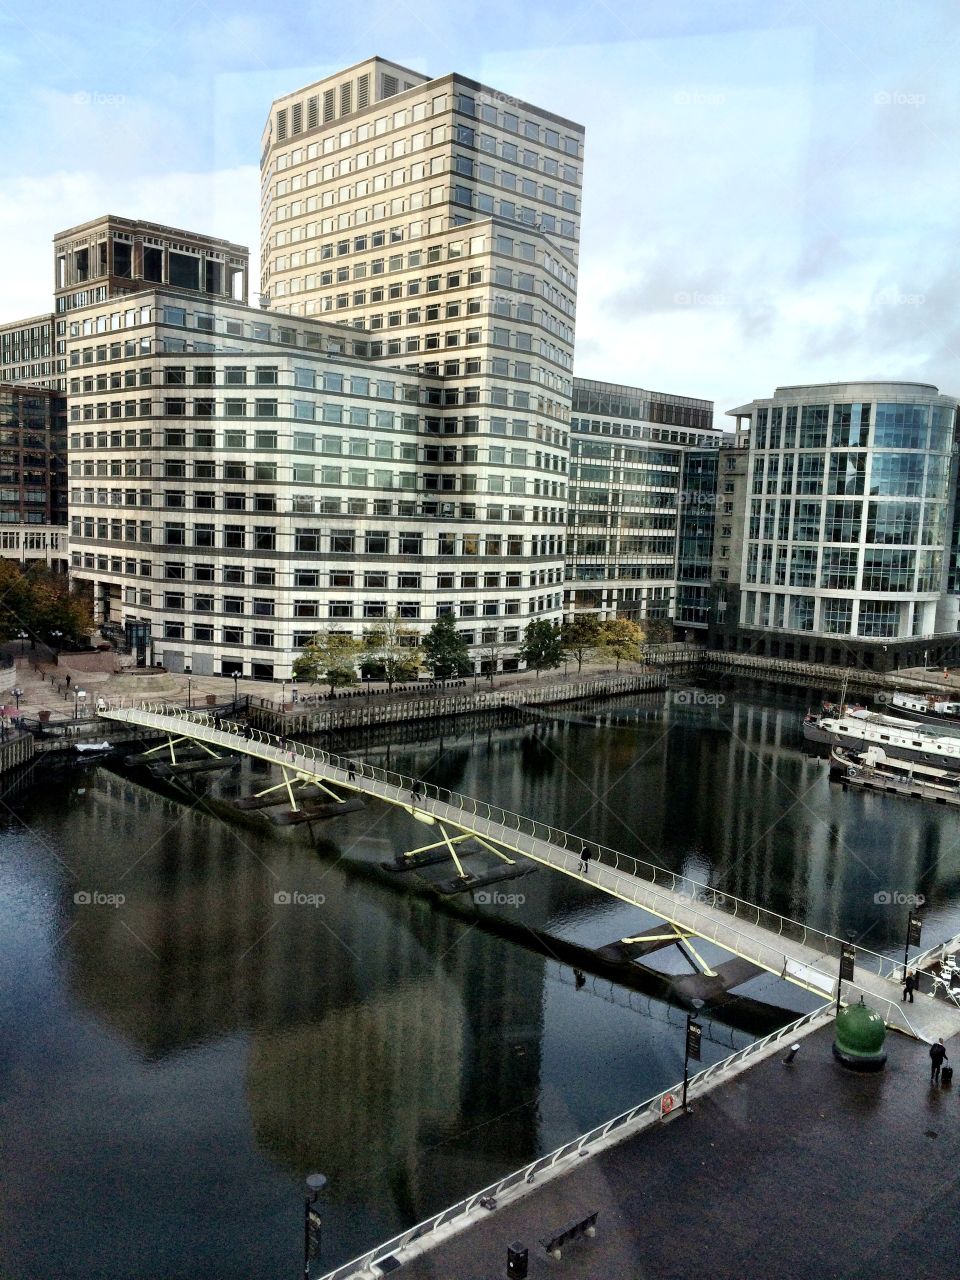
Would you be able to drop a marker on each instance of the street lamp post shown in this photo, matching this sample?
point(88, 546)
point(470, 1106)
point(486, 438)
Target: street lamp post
point(18, 694)
point(56, 637)
point(22, 637)
point(189, 693)
point(312, 1223)
point(236, 677)
point(691, 1047)
point(283, 695)
point(77, 695)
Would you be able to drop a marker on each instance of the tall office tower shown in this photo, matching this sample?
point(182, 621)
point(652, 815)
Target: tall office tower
point(633, 489)
point(849, 523)
point(440, 220)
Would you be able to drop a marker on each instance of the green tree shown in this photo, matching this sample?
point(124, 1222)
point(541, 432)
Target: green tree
point(329, 658)
point(657, 630)
point(620, 639)
point(445, 650)
point(391, 649)
point(580, 635)
point(542, 646)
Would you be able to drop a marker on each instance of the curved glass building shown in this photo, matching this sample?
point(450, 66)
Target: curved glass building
point(849, 522)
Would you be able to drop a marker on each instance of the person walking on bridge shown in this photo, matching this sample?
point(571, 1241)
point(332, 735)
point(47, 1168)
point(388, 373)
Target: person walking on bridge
point(937, 1055)
point(584, 867)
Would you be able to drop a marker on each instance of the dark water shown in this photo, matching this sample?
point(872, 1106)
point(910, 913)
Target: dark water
point(172, 1065)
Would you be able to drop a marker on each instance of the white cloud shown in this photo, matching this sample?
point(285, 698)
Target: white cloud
point(224, 203)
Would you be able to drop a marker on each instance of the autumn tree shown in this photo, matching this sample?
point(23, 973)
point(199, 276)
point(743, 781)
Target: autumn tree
point(390, 649)
point(38, 601)
point(328, 658)
point(620, 639)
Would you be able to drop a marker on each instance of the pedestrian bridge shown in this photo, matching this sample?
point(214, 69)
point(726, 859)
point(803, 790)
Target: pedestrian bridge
point(787, 948)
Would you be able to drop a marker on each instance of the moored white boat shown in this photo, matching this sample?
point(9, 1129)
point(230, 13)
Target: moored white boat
point(932, 706)
point(873, 770)
point(900, 739)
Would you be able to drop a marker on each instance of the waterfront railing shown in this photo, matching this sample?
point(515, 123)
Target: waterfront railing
point(621, 1127)
point(687, 898)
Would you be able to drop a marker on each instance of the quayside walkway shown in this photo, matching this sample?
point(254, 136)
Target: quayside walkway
point(787, 948)
point(803, 1170)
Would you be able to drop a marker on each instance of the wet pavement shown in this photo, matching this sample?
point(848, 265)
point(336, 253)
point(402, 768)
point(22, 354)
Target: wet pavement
point(798, 1171)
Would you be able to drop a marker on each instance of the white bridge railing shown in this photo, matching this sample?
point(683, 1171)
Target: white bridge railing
point(618, 1129)
point(681, 899)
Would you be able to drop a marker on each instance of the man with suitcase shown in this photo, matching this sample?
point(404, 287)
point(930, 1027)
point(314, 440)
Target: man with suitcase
point(937, 1055)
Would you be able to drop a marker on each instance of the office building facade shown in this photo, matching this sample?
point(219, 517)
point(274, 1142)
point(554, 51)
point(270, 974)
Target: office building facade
point(849, 523)
point(633, 486)
point(33, 475)
point(439, 219)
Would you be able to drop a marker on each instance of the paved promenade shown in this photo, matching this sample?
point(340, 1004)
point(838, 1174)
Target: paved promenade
point(804, 1171)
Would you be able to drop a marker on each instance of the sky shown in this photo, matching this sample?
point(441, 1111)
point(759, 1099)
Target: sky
point(770, 188)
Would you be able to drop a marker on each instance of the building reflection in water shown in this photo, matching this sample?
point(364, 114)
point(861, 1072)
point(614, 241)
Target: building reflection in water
point(379, 1025)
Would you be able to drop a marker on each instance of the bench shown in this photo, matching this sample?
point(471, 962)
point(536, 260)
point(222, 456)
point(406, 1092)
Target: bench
point(572, 1231)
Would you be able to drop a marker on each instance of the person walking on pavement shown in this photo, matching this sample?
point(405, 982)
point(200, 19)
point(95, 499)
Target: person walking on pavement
point(937, 1055)
point(909, 986)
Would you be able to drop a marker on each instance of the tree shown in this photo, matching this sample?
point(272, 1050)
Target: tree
point(542, 646)
point(391, 648)
point(490, 654)
point(445, 650)
point(329, 658)
point(38, 601)
point(621, 640)
point(657, 630)
point(580, 635)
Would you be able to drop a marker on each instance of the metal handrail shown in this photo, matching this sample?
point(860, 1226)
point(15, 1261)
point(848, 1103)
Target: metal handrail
point(683, 887)
point(625, 1124)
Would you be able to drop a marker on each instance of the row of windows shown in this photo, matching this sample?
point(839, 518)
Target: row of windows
point(841, 569)
point(878, 619)
point(312, 539)
point(464, 166)
point(885, 522)
point(352, 477)
point(465, 104)
point(897, 426)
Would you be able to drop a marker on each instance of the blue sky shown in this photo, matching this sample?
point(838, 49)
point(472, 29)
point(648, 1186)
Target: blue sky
point(771, 189)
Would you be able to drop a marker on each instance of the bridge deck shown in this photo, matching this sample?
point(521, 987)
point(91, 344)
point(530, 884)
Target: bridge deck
point(783, 947)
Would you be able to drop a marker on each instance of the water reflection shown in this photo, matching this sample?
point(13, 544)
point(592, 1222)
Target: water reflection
point(203, 1035)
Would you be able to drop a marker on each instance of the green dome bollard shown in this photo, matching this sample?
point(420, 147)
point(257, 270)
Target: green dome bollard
point(858, 1038)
